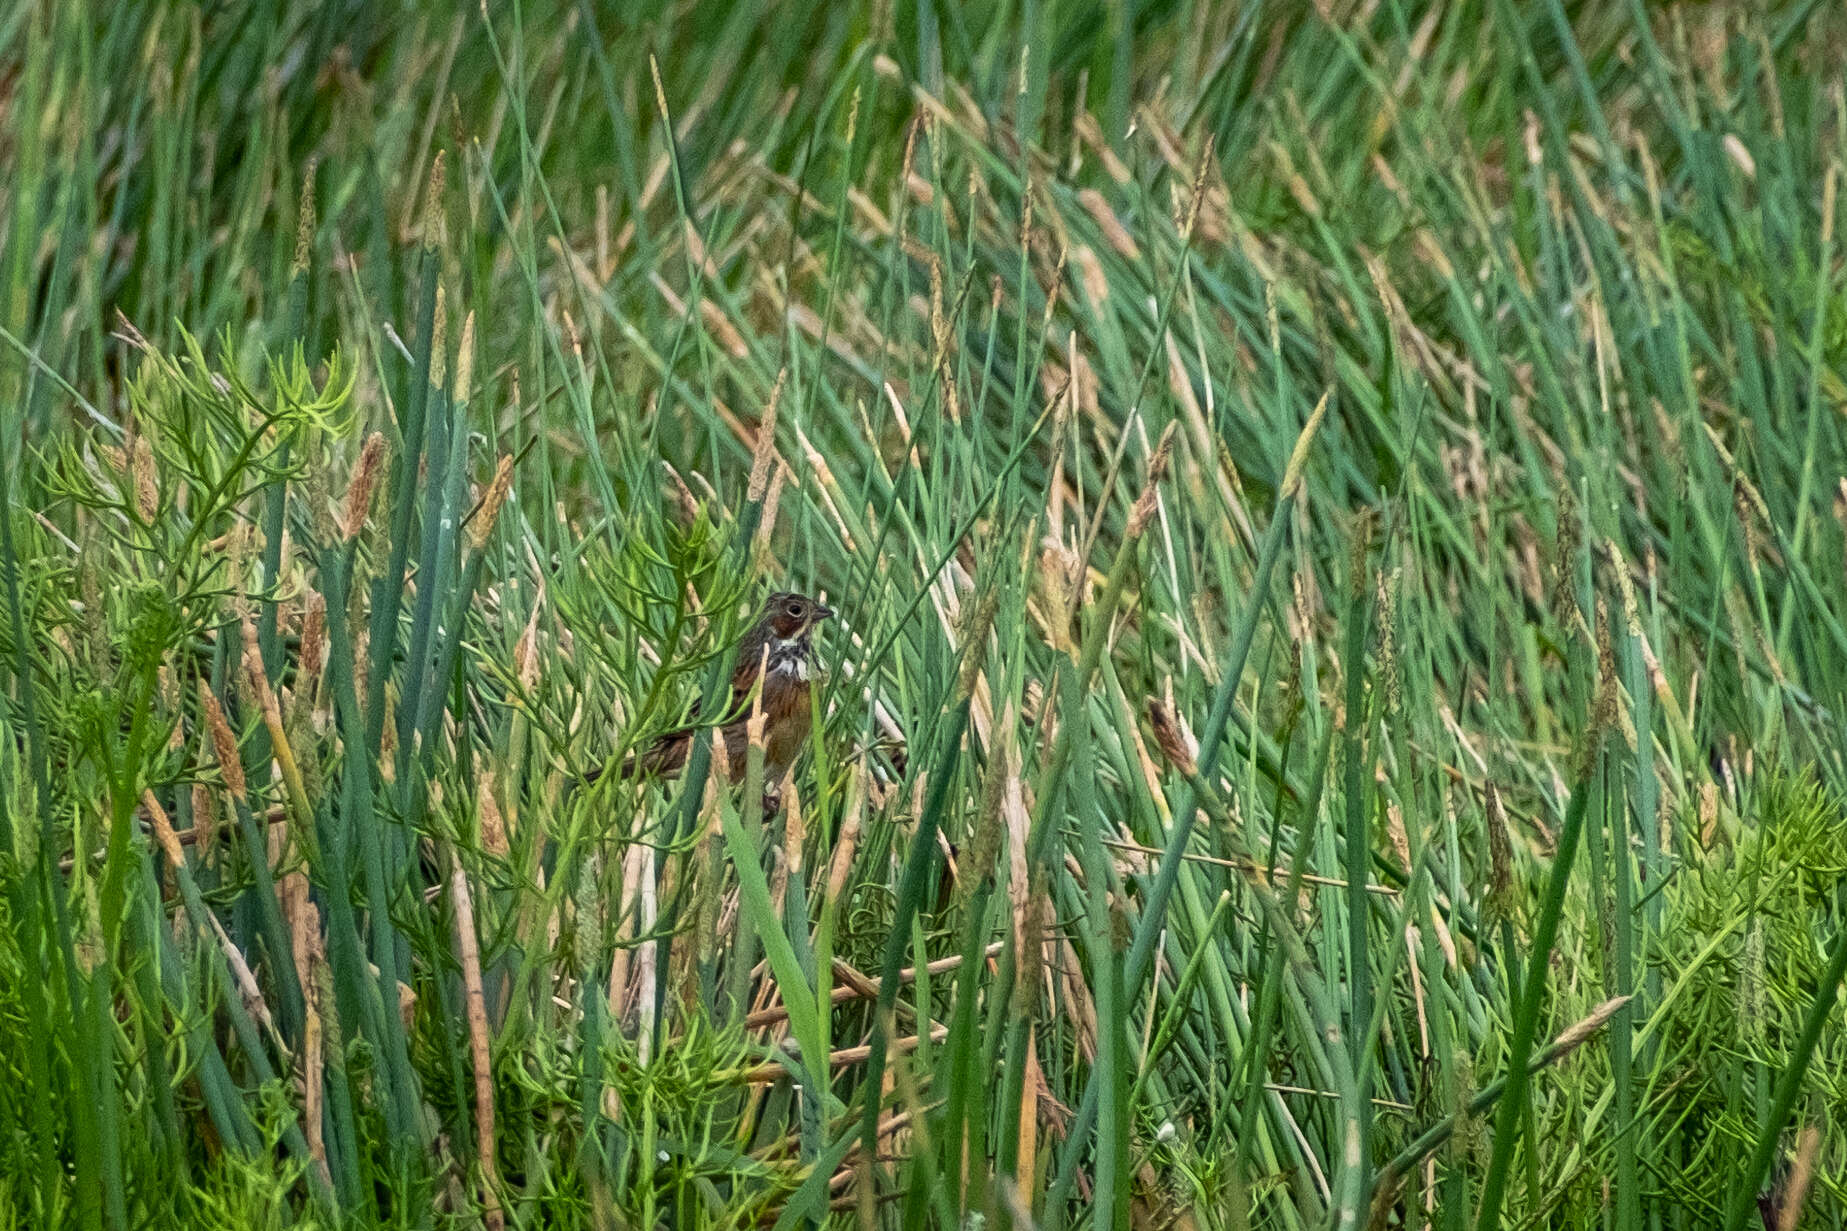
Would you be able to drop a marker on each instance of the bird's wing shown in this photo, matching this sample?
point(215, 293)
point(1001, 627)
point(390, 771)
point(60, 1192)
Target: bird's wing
point(666, 754)
point(744, 677)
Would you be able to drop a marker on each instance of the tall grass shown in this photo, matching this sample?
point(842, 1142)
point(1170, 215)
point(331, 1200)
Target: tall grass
point(1338, 518)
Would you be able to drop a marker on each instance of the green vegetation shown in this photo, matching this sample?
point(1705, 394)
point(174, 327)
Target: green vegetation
point(1338, 517)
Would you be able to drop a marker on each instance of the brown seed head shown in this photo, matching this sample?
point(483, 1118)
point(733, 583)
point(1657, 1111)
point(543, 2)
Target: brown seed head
point(1149, 500)
point(1172, 743)
point(365, 479)
point(313, 633)
point(765, 451)
point(432, 205)
point(304, 226)
point(465, 361)
point(224, 744)
point(483, 524)
point(147, 488)
point(975, 642)
point(439, 342)
point(1573, 1036)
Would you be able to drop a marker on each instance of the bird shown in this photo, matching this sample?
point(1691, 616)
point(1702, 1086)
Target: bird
point(778, 651)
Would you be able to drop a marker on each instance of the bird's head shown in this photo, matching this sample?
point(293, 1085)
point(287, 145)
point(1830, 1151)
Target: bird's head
point(790, 617)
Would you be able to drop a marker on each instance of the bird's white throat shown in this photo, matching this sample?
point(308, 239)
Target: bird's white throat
point(790, 656)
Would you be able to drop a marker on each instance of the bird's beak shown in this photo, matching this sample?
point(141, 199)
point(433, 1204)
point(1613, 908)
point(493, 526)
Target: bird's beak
point(823, 613)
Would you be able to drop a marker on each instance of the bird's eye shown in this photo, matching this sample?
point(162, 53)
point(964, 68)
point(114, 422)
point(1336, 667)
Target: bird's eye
point(794, 608)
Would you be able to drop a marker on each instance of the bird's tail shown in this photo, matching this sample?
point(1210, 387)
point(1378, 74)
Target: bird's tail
point(665, 757)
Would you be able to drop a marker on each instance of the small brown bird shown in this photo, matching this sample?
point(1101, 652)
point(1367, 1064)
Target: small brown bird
point(779, 649)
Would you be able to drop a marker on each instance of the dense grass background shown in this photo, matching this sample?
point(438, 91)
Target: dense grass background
point(1338, 517)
